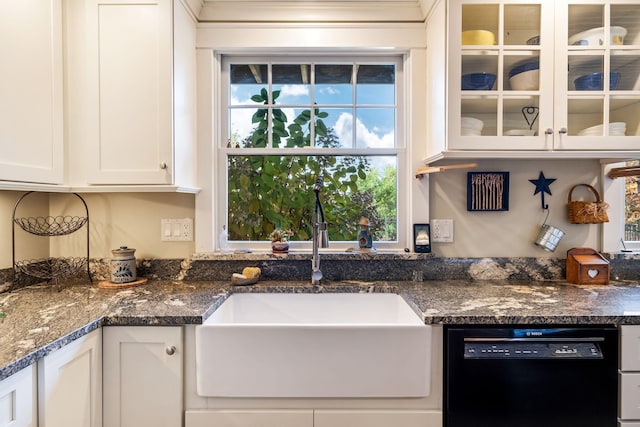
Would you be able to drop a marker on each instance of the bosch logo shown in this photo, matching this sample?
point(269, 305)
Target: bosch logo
point(534, 333)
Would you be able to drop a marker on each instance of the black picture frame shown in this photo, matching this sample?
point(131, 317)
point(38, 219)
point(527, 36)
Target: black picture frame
point(420, 243)
point(487, 191)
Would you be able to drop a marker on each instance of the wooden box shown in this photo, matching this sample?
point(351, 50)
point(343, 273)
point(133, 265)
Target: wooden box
point(586, 266)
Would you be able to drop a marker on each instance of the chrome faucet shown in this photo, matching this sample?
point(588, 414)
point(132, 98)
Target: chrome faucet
point(320, 238)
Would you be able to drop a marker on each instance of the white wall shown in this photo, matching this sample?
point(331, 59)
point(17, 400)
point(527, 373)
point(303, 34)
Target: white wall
point(512, 233)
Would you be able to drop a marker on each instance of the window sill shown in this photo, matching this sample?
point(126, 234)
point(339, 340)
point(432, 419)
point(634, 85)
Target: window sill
point(306, 255)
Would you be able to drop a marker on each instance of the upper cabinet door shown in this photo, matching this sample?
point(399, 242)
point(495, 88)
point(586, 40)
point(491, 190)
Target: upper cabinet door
point(31, 107)
point(542, 75)
point(597, 75)
point(130, 45)
point(500, 75)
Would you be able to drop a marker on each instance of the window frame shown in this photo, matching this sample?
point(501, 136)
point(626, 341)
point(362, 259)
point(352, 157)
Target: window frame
point(221, 151)
point(614, 194)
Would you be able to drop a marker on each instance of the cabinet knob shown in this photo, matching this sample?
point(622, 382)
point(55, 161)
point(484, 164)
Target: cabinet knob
point(549, 131)
point(163, 165)
point(171, 350)
point(562, 131)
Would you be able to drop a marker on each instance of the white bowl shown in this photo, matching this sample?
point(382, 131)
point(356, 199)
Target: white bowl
point(520, 132)
point(527, 80)
point(471, 123)
point(595, 37)
point(470, 132)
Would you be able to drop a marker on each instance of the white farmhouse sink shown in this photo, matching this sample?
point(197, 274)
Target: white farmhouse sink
point(313, 345)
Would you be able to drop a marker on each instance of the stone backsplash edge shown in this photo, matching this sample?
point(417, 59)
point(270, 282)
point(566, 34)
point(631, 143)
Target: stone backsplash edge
point(362, 267)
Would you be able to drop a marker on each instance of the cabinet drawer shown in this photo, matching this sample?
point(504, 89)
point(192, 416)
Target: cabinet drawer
point(250, 418)
point(630, 348)
point(377, 418)
point(630, 396)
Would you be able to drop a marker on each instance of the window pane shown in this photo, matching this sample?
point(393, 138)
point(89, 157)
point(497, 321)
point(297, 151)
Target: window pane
point(291, 84)
point(376, 85)
point(265, 192)
point(246, 81)
point(375, 128)
point(334, 128)
point(333, 85)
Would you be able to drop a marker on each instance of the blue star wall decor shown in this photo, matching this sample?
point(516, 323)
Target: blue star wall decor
point(542, 186)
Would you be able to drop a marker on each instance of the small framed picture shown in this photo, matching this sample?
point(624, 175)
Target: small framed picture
point(487, 191)
point(421, 238)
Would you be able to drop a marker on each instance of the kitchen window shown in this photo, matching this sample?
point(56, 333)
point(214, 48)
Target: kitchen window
point(289, 120)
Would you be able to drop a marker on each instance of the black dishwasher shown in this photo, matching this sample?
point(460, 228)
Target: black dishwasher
point(523, 376)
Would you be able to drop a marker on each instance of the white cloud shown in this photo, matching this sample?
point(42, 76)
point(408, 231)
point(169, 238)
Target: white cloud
point(294, 90)
point(364, 136)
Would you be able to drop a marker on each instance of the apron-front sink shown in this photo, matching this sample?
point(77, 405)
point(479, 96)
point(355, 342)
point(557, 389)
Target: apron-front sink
point(313, 345)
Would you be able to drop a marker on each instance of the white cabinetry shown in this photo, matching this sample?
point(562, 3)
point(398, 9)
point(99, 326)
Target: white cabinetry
point(131, 78)
point(550, 115)
point(630, 376)
point(18, 399)
point(314, 418)
point(31, 111)
point(142, 376)
point(70, 384)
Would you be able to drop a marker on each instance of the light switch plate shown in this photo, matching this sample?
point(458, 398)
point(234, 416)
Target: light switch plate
point(176, 229)
point(442, 230)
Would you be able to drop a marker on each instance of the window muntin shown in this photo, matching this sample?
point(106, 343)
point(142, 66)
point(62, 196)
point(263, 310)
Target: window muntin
point(308, 106)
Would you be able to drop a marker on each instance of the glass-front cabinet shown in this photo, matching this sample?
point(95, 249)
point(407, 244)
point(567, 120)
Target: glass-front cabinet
point(544, 75)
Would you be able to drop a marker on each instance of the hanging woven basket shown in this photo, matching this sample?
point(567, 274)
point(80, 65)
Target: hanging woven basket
point(585, 212)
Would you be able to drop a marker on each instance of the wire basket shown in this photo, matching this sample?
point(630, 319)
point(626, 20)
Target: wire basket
point(52, 268)
point(51, 225)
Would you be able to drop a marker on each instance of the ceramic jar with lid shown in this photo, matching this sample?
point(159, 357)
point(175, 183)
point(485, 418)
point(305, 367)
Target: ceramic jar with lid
point(123, 265)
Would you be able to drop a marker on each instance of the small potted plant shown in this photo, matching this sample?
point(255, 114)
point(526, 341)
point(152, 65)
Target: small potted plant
point(280, 240)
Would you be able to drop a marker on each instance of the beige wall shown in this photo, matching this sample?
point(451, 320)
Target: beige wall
point(133, 219)
point(512, 233)
point(117, 219)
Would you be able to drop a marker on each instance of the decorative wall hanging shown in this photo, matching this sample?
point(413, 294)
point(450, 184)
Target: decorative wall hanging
point(488, 191)
point(542, 186)
point(548, 235)
point(584, 212)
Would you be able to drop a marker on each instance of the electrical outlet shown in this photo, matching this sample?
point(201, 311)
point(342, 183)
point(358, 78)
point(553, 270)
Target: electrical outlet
point(176, 229)
point(442, 230)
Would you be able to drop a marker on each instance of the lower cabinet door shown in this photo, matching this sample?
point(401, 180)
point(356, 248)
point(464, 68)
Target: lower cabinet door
point(18, 399)
point(377, 418)
point(69, 384)
point(250, 418)
point(142, 369)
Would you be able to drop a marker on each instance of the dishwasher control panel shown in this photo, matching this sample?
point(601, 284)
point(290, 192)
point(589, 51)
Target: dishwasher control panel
point(532, 350)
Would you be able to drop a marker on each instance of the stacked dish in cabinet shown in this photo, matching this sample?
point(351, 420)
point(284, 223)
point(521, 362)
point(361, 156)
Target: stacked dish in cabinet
point(553, 73)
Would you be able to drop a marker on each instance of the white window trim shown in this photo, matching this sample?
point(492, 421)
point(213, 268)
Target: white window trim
point(614, 194)
point(409, 40)
point(219, 217)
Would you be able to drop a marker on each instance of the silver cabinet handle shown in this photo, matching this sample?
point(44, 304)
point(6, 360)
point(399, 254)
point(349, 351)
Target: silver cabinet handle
point(563, 131)
point(171, 350)
point(548, 131)
point(163, 165)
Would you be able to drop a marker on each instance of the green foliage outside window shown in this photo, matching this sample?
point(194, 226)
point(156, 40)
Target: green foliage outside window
point(273, 191)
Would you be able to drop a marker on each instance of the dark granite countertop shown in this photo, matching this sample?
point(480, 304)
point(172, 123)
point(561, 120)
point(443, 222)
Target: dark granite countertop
point(40, 319)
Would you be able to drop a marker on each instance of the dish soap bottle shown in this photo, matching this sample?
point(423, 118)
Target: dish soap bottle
point(224, 241)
